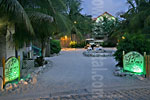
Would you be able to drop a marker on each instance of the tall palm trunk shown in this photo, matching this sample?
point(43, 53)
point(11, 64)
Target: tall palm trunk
point(43, 48)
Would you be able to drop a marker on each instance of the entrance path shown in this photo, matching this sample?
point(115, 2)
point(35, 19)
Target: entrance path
point(72, 74)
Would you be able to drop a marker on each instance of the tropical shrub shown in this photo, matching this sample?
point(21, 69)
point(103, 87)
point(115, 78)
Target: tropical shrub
point(73, 44)
point(39, 61)
point(108, 44)
point(55, 46)
point(81, 44)
point(131, 42)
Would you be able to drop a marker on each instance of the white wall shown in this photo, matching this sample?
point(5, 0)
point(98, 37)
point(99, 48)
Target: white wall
point(10, 48)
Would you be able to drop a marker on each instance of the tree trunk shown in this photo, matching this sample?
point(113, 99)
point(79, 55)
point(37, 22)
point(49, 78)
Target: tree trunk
point(48, 48)
point(43, 48)
point(43, 51)
point(16, 52)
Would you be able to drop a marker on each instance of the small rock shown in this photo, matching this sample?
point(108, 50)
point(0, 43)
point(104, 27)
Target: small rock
point(116, 73)
point(141, 78)
point(34, 80)
point(14, 85)
point(118, 68)
point(40, 68)
point(124, 74)
point(27, 80)
point(127, 73)
point(25, 83)
point(37, 71)
point(8, 86)
point(131, 74)
point(119, 73)
point(44, 66)
point(21, 81)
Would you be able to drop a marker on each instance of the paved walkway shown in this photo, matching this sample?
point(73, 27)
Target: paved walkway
point(125, 94)
point(78, 76)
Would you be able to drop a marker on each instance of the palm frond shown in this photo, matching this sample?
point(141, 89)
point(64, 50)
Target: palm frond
point(65, 26)
point(78, 33)
point(16, 13)
point(131, 3)
point(38, 17)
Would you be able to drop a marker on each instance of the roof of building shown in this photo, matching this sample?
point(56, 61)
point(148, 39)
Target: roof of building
point(103, 15)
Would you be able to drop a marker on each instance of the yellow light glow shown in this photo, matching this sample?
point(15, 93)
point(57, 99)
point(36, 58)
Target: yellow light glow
point(123, 37)
point(75, 22)
point(66, 37)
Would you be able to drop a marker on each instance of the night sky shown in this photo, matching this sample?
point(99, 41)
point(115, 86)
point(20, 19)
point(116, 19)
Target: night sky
point(111, 6)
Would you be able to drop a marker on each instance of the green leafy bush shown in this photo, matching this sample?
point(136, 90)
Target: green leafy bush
point(39, 61)
point(81, 44)
point(131, 42)
point(55, 46)
point(74, 44)
point(108, 44)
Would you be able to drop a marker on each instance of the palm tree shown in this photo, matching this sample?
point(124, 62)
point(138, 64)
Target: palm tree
point(137, 17)
point(11, 11)
point(31, 15)
point(37, 12)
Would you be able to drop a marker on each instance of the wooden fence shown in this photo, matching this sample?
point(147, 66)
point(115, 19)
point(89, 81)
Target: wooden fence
point(65, 42)
point(147, 65)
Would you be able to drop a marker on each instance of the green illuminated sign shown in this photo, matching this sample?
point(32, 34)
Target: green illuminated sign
point(134, 62)
point(12, 70)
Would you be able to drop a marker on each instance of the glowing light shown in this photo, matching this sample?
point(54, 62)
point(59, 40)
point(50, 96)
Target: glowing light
point(75, 22)
point(137, 69)
point(134, 62)
point(66, 37)
point(123, 37)
point(11, 69)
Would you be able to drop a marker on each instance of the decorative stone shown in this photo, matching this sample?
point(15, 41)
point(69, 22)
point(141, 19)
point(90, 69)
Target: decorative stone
point(118, 68)
point(14, 85)
point(116, 73)
point(34, 80)
point(40, 68)
point(119, 73)
point(101, 53)
point(8, 86)
point(21, 81)
point(141, 78)
point(25, 83)
point(130, 74)
point(122, 74)
point(44, 66)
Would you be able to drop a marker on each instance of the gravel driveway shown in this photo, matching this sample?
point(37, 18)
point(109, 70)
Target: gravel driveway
point(72, 73)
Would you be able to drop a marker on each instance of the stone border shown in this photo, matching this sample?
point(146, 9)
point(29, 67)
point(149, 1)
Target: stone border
point(24, 82)
point(97, 54)
point(119, 72)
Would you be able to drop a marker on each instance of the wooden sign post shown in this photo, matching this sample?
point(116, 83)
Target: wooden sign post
point(147, 65)
point(3, 62)
point(19, 68)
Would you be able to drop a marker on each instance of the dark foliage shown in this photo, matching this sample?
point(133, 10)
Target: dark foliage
point(55, 46)
point(132, 42)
